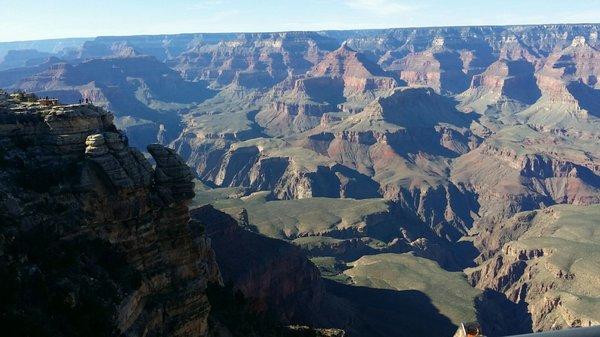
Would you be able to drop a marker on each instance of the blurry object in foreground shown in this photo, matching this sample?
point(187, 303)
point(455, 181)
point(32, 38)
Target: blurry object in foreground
point(471, 329)
point(593, 331)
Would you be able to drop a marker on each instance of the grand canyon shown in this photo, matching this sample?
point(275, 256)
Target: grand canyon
point(382, 182)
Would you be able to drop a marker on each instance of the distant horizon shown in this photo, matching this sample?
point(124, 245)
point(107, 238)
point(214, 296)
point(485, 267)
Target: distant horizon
point(31, 20)
point(299, 31)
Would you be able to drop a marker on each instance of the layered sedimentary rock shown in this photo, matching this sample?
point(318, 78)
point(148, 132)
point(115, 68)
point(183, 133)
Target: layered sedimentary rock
point(507, 86)
point(22, 58)
point(253, 60)
point(357, 72)
point(398, 136)
point(493, 121)
point(290, 172)
point(69, 180)
point(300, 106)
point(344, 80)
point(96, 241)
point(521, 169)
point(568, 82)
point(546, 261)
point(445, 70)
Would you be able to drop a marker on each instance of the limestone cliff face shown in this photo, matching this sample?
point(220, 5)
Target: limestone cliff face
point(91, 233)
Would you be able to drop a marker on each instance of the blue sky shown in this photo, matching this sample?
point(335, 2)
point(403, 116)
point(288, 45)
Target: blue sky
point(40, 19)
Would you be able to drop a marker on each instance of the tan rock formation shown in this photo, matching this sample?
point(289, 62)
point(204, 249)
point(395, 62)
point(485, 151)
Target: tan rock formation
point(548, 262)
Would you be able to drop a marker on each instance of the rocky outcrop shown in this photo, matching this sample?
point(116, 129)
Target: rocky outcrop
point(438, 67)
point(296, 115)
point(344, 80)
point(568, 79)
point(255, 168)
point(173, 177)
point(523, 278)
point(508, 180)
point(541, 266)
point(69, 180)
point(506, 87)
point(355, 70)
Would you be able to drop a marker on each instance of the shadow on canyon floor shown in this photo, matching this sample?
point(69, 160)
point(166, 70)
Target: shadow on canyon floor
point(501, 317)
point(383, 312)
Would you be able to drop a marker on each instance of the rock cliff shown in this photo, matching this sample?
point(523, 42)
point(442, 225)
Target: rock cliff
point(70, 183)
point(273, 274)
point(546, 262)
